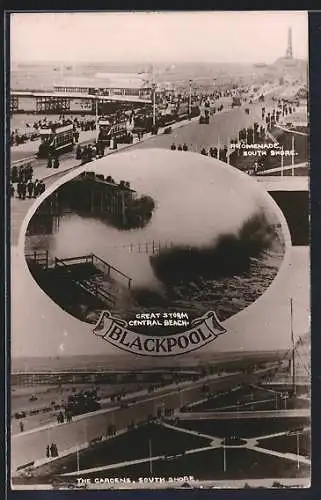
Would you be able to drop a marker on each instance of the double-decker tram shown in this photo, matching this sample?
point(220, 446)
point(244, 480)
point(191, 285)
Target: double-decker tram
point(55, 139)
point(116, 130)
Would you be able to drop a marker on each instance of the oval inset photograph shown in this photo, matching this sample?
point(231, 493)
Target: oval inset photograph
point(151, 232)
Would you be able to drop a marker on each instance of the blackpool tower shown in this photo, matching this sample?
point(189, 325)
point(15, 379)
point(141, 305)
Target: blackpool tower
point(289, 52)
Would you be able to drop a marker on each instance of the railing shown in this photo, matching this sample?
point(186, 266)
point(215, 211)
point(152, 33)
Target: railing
point(41, 258)
point(107, 268)
point(87, 285)
point(81, 259)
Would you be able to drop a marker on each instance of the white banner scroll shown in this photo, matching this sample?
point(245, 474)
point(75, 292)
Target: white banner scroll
point(114, 330)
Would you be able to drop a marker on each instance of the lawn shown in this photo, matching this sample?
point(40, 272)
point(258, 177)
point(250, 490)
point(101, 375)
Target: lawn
point(132, 445)
point(289, 443)
point(208, 465)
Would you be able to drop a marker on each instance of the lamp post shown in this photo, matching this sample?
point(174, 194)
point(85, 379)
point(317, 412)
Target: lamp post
point(224, 455)
point(298, 449)
point(190, 100)
point(154, 103)
point(150, 457)
point(97, 127)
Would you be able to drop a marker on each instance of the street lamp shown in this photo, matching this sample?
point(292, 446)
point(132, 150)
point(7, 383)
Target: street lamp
point(97, 127)
point(224, 454)
point(154, 103)
point(190, 100)
point(298, 449)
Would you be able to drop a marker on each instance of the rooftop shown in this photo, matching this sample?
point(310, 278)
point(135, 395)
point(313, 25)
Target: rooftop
point(114, 81)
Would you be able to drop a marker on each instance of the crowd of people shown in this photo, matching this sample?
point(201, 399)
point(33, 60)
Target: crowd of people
point(27, 189)
point(179, 147)
point(90, 152)
point(52, 451)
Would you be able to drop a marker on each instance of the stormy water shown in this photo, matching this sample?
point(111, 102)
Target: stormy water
point(226, 274)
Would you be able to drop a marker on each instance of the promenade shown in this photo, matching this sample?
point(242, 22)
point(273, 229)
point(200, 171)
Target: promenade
point(223, 127)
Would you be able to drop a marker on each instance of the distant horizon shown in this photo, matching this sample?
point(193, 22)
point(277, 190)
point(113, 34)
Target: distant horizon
point(145, 62)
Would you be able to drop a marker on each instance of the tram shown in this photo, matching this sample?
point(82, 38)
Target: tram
point(109, 130)
point(55, 140)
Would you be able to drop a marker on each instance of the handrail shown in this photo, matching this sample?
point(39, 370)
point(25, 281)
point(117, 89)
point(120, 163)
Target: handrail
point(70, 259)
point(98, 290)
point(113, 268)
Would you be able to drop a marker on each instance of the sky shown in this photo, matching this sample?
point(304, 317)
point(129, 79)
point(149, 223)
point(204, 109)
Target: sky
point(245, 37)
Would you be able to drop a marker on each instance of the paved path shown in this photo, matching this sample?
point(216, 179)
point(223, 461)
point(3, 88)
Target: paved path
point(193, 433)
point(245, 415)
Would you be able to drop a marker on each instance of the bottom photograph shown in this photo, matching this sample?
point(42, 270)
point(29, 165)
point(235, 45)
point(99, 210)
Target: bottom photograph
point(236, 420)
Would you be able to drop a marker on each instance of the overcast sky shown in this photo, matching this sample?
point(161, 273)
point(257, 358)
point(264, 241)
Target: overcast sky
point(156, 37)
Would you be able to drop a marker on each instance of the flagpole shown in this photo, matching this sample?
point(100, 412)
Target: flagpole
point(150, 456)
point(77, 454)
point(224, 455)
point(298, 449)
point(293, 347)
point(292, 155)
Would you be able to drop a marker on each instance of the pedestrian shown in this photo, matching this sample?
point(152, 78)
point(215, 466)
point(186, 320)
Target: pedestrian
point(19, 190)
point(14, 174)
point(30, 187)
point(56, 162)
point(23, 190)
point(78, 152)
point(52, 450)
point(49, 164)
point(41, 187)
point(21, 426)
point(48, 451)
point(35, 188)
point(12, 190)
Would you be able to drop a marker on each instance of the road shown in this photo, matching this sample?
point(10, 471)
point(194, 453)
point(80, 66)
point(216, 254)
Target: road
point(30, 148)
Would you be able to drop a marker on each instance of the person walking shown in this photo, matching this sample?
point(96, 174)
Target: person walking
point(21, 426)
point(48, 451)
point(23, 190)
point(30, 188)
point(41, 187)
point(56, 162)
point(36, 188)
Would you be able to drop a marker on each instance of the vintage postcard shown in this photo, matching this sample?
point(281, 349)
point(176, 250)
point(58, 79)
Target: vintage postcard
point(160, 311)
